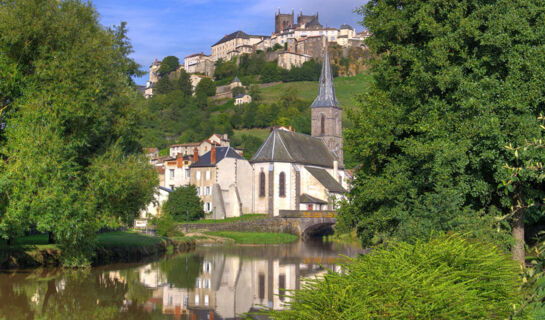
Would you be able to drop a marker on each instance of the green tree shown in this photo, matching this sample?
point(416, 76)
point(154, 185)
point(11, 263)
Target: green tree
point(255, 93)
point(238, 90)
point(169, 64)
point(225, 69)
point(454, 83)
point(206, 87)
point(164, 86)
point(72, 136)
point(183, 83)
point(183, 201)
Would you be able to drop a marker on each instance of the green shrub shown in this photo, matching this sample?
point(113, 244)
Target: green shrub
point(165, 226)
point(446, 278)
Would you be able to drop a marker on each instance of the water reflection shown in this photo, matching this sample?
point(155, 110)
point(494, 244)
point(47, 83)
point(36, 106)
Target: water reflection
point(210, 283)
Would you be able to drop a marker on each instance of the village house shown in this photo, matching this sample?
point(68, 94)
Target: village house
point(223, 180)
point(202, 146)
point(177, 172)
point(295, 171)
point(242, 99)
point(235, 83)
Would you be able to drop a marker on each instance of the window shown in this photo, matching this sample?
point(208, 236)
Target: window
point(262, 184)
point(171, 187)
point(197, 298)
point(207, 207)
point(198, 175)
point(206, 300)
point(187, 173)
point(322, 125)
point(261, 286)
point(171, 173)
point(282, 286)
point(206, 284)
point(282, 184)
point(207, 174)
point(206, 191)
point(198, 283)
point(198, 191)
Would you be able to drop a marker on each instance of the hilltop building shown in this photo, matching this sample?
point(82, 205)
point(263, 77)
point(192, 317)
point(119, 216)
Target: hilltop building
point(199, 63)
point(235, 44)
point(242, 99)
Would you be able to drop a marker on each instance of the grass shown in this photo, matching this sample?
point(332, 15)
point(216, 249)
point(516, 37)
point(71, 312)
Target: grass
point(126, 239)
point(255, 237)
point(115, 239)
point(346, 88)
point(246, 217)
point(260, 133)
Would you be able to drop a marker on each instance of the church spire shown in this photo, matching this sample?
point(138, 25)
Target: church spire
point(326, 92)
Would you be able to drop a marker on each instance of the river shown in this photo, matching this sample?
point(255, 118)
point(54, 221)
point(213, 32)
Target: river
point(211, 282)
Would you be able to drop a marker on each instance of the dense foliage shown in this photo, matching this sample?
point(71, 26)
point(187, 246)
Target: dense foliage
point(455, 82)
point(445, 278)
point(169, 64)
point(71, 132)
point(183, 203)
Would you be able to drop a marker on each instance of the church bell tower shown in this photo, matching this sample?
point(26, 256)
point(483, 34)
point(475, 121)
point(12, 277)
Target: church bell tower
point(326, 113)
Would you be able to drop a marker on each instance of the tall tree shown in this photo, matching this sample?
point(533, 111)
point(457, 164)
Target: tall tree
point(455, 81)
point(72, 153)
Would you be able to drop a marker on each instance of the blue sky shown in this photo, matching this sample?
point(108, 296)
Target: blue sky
point(181, 27)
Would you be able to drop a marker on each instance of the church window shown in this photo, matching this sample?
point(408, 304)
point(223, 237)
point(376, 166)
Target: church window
point(262, 184)
point(282, 184)
point(322, 125)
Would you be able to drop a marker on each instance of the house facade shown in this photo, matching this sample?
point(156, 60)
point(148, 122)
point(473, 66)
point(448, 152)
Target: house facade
point(235, 44)
point(199, 63)
point(222, 178)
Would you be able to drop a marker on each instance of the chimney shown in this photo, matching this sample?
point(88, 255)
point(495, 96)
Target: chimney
point(213, 154)
point(180, 160)
point(195, 155)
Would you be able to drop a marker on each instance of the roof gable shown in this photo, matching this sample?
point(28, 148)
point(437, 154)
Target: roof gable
point(221, 153)
point(288, 146)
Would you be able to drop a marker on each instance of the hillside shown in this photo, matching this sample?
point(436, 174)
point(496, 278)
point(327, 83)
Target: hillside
point(346, 89)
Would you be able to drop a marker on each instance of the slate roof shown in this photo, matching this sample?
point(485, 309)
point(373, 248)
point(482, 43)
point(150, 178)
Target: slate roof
point(326, 180)
point(288, 146)
point(305, 198)
point(234, 35)
point(221, 153)
point(236, 79)
point(326, 92)
point(346, 26)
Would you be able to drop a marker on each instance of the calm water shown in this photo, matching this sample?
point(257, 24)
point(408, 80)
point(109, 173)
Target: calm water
point(210, 283)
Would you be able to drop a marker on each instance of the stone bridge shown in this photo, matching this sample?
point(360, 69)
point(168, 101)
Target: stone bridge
point(304, 224)
point(307, 224)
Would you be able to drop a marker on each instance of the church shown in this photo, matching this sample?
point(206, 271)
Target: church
point(294, 171)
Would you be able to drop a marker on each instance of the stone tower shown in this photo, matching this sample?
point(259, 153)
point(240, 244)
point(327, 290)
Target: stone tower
point(327, 114)
point(283, 21)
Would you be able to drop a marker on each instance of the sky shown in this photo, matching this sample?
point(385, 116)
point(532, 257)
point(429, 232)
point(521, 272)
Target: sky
point(162, 28)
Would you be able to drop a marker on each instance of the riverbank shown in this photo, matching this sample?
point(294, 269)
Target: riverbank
point(254, 237)
point(121, 246)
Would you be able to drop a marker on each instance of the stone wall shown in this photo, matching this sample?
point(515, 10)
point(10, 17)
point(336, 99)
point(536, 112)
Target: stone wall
point(258, 225)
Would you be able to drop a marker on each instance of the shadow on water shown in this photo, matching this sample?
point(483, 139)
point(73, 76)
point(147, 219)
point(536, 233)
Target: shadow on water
point(213, 282)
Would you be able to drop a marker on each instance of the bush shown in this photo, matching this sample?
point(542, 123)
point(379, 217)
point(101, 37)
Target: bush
point(446, 278)
point(183, 200)
point(165, 226)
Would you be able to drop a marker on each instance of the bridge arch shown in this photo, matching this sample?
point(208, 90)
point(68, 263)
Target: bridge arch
point(317, 230)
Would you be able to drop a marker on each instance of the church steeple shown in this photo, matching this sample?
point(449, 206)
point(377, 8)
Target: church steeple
point(326, 91)
point(326, 113)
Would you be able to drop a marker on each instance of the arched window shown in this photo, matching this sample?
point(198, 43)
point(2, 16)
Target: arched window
point(322, 125)
point(262, 184)
point(282, 184)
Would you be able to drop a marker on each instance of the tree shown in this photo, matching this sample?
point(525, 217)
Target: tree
point(184, 83)
point(454, 83)
point(169, 64)
point(206, 87)
point(237, 91)
point(255, 93)
point(72, 133)
point(164, 86)
point(183, 201)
